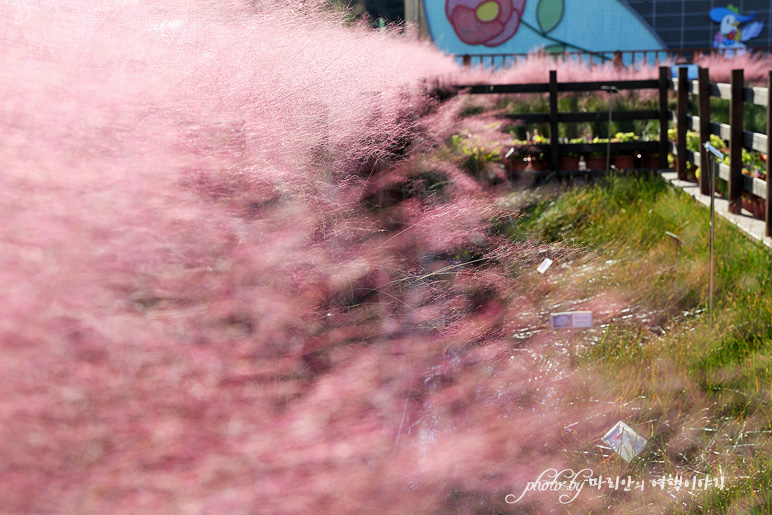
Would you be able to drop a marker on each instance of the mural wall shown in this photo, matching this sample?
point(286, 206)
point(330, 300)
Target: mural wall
point(517, 26)
point(514, 26)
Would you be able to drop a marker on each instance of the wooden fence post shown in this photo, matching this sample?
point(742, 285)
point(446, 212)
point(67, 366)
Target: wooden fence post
point(736, 142)
point(703, 100)
point(663, 117)
point(466, 59)
point(768, 210)
point(554, 141)
point(681, 110)
point(618, 63)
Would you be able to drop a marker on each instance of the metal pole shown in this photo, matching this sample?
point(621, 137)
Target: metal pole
point(716, 154)
point(712, 238)
point(608, 144)
point(610, 89)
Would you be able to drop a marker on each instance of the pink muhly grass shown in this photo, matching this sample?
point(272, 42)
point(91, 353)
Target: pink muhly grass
point(755, 68)
point(537, 69)
point(172, 215)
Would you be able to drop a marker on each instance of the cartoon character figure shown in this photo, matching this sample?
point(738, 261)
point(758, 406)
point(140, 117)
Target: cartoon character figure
point(484, 22)
point(730, 35)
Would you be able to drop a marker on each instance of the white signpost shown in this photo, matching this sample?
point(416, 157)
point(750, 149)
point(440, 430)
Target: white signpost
point(716, 156)
point(625, 442)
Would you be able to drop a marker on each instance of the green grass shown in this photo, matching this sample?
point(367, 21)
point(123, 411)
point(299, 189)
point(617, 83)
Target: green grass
point(677, 368)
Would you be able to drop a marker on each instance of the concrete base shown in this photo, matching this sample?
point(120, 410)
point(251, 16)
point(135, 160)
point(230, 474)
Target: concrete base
point(745, 221)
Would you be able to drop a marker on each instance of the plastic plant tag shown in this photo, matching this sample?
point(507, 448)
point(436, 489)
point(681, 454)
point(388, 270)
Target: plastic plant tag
point(625, 442)
point(571, 320)
point(713, 150)
point(544, 266)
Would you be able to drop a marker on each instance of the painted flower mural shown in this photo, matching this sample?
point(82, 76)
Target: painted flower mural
point(477, 27)
point(485, 22)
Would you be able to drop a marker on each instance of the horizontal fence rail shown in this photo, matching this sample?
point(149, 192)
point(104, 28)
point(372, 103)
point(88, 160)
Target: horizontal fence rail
point(562, 87)
point(594, 116)
point(755, 96)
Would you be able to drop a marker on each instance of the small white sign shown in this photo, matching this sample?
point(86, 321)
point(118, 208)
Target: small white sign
point(544, 266)
point(571, 320)
point(691, 71)
point(625, 442)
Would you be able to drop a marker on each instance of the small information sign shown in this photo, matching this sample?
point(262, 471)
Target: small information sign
point(544, 266)
point(571, 320)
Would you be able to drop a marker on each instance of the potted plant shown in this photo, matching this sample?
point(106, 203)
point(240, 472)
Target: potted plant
point(753, 204)
point(649, 160)
point(759, 171)
point(537, 161)
point(597, 160)
point(754, 165)
point(747, 202)
point(515, 161)
point(720, 145)
point(570, 160)
point(624, 160)
point(692, 145)
point(758, 207)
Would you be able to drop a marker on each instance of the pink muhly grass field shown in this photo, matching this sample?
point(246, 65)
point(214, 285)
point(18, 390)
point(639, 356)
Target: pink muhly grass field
point(202, 311)
point(755, 68)
point(537, 69)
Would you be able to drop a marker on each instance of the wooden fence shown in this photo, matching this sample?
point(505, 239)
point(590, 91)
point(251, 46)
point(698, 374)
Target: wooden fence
point(553, 117)
point(701, 90)
point(738, 138)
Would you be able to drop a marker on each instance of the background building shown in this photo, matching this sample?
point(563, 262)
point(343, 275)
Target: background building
point(687, 24)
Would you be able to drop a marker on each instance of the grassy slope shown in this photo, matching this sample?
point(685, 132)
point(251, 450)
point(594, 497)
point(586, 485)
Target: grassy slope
point(703, 395)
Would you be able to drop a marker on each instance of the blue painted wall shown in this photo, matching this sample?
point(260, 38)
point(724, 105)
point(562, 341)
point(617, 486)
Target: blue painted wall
point(589, 25)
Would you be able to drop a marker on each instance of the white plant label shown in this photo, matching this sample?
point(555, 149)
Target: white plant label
point(544, 266)
point(625, 442)
point(571, 320)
